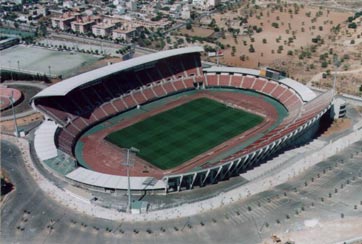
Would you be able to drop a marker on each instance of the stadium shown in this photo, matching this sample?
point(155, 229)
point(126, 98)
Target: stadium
point(190, 126)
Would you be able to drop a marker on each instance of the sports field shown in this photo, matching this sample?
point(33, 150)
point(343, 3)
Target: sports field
point(173, 137)
point(38, 60)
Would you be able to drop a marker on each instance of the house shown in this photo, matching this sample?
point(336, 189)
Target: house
point(82, 24)
point(126, 32)
point(64, 21)
point(105, 28)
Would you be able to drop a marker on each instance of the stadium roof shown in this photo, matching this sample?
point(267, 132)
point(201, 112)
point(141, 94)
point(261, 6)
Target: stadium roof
point(64, 87)
point(233, 70)
point(305, 93)
point(94, 178)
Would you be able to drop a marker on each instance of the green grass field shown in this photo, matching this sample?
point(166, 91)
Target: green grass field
point(175, 136)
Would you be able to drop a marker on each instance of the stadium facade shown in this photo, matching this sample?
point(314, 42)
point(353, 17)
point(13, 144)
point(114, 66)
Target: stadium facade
point(74, 105)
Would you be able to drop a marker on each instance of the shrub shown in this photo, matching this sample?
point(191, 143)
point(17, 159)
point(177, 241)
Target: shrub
point(251, 49)
point(275, 25)
point(352, 25)
point(324, 64)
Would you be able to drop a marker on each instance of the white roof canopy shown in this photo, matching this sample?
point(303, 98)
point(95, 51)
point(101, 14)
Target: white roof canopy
point(223, 69)
point(305, 93)
point(94, 178)
point(62, 88)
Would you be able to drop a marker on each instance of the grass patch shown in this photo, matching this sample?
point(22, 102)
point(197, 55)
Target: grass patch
point(170, 138)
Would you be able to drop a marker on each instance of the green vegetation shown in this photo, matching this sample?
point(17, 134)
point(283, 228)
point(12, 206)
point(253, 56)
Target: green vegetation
point(17, 75)
point(28, 37)
point(352, 25)
point(275, 25)
point(356, 15)
point(124, 50)
point(173, 137)
point(251, 49)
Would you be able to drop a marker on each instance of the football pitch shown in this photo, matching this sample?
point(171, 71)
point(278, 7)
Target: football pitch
point(173, 137)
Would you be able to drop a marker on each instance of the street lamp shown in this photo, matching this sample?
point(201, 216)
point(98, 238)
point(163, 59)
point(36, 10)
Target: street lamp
point(129, 162)
point(11, 99)
point(50, 73)
point(336, 65)
point(14, 116)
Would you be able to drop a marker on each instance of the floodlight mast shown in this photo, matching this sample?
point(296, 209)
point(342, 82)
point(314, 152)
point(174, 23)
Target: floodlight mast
point(217, 55)
point(336, 65)
point(128, 164)
point(11, 100)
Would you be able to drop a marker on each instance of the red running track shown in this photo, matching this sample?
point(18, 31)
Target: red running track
point(105, 157)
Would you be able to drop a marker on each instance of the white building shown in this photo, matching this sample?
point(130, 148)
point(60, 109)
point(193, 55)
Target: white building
point(206, 3)
point(132, 5)
point(186, 12)
point(212, 3)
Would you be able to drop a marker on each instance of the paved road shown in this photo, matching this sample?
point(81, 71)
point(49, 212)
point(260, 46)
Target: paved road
point(27, 83)
point(29, 216)
point(319, 76)
point(28, 111)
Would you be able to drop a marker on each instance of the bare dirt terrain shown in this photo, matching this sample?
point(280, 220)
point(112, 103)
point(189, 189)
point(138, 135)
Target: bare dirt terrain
point(8, 126)
point(283, 29)
point(197, 31)
point(316, 232)
point(309, 41)
point(338, 126)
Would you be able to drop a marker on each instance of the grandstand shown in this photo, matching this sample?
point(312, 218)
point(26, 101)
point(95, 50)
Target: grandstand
point(111, 96)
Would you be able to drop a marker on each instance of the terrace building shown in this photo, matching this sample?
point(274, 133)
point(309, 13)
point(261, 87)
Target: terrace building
point(64, 21)
point(83, 24)
point(126, 33)
point(105, 28)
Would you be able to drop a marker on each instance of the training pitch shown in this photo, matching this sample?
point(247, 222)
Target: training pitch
point(171, 138)
point(44, 61)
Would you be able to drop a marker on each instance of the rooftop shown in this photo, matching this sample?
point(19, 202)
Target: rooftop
point(62, 88)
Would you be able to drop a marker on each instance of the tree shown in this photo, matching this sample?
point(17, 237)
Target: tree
point(188, 26)
point(275, 25)
point(233, 50)
point(212, 23)
point(352, 25)
point(251, 48)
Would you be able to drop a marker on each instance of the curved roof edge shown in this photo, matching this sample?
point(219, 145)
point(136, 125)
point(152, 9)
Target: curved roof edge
point(304, 92)
point(104, 180)
point(65, 86)
point(233, 70)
